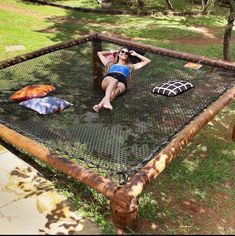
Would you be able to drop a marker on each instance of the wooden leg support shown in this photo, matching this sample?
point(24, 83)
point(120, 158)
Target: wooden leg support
point(125, 213)
point(97, 68)
point(233, 133)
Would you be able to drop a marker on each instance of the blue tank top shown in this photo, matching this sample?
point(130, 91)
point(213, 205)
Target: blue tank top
point(123, 69)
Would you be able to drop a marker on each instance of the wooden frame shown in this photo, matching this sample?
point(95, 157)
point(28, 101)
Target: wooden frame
point(124, 199)
point(233, 133)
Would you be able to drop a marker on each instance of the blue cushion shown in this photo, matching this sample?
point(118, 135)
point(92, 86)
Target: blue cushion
point(46, 105)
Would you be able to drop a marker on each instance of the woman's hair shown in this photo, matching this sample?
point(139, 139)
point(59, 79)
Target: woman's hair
point(116, 59)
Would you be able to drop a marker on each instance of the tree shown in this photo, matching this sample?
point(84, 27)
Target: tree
point(206, 4)
point(169, 4)
point(134, 3)
point(228, 29)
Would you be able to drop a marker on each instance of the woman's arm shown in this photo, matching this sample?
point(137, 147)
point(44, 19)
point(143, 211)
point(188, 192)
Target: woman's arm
point(144, 60)
point(102, 57)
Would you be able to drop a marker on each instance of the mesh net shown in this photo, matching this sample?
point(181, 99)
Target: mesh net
point(113, 143)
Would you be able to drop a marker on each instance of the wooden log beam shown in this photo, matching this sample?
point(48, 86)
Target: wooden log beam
point(97, 69)
point(95, 181)
point(233, 133)
point(161, 160)
point(124, 201)
point(169, 53)
point(45, 50)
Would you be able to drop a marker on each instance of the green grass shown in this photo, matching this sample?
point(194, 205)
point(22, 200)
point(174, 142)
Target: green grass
point(199, 172)
point(12, 34)
point(157, 5)
point(205, 165)
point(117, 4)
point(47, 25)
point(78, 3)
point(205, 168)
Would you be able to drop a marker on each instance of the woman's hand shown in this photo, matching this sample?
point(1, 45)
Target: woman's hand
point(144, 61)
point(133, 53)
point(113, 52)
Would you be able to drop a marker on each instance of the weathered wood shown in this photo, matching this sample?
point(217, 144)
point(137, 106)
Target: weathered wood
point(233, 133)
point(168, 52)
point(154, 167)
point(97, 69)
point(45, 50)
point(124, 200)
point(95, 181)
point(124, 211)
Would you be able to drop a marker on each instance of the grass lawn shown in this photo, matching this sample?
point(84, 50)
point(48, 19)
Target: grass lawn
point(148, 5)
point(196, 193)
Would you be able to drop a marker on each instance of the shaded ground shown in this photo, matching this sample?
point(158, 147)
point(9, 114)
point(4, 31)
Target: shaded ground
point(191, 216)
point(14, 9)
point(209, 36)
point(180, 211)
point(26, 195)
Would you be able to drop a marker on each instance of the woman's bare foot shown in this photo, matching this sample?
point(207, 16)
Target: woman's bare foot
point(108, 106)
point(103, 104)
point(96, 108)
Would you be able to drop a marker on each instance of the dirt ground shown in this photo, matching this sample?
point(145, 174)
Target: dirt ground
point(208, 36)
point(219, 219)
point(215, 215)
point(193, 217)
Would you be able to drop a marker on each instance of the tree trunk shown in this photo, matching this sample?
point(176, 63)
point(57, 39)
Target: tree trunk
point(140, 4)
point(169, 5)
point(206, 4)
point(228, 31)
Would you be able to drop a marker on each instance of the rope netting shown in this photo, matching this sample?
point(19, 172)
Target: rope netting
point(113, 143)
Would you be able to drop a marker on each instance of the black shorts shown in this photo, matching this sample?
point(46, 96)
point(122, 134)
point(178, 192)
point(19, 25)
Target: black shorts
point(120, 77)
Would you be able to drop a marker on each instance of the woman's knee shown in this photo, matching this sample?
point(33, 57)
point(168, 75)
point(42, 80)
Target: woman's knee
point(121, 87)
point(113, 81)
point(108, 80)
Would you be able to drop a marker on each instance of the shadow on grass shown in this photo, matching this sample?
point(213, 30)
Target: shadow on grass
point(195, 194)
point(75, 24)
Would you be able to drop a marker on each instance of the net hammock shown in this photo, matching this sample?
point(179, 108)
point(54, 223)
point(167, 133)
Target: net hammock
point(115, 143)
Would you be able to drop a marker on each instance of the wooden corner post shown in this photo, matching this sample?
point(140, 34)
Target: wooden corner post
point(233, 133)
point(125, 210)
point(97, 70)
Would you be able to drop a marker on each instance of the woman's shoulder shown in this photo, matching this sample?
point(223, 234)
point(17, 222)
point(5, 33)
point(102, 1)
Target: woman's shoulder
point(110, 62)
point(131, 66)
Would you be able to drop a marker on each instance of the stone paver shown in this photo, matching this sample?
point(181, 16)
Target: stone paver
point(14, 48)
point(29, 204)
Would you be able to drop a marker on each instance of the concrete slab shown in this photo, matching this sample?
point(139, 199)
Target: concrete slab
point(29, 204)
point(2, 149)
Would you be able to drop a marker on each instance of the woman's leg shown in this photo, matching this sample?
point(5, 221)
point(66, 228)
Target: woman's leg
point(109, 84)
point(112, 86)
point(121, 88)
